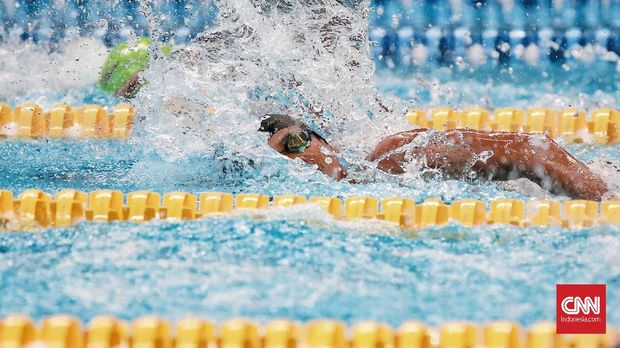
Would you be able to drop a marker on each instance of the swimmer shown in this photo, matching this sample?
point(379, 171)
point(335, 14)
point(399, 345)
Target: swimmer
point(454, 152)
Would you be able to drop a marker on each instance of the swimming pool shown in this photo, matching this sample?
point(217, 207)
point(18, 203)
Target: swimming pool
point(296, 262)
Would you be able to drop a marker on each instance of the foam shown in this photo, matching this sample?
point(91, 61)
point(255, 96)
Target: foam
point(30, 69)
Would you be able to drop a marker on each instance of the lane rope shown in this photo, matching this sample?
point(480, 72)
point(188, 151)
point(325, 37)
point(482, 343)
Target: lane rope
point(34, 209)
point(601, 126)
point(64, 121)
point(62, 331)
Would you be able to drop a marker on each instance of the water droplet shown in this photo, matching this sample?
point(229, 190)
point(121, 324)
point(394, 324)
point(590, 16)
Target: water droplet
point(102, 23)
point(485, 155)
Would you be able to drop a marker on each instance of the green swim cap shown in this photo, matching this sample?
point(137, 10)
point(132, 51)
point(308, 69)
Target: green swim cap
point(124, 62)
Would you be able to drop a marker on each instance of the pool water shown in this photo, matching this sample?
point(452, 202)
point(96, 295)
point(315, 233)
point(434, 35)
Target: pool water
point(296, 262)
point(284, 266)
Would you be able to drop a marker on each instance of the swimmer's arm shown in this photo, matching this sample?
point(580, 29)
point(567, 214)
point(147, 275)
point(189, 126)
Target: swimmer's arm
point(534, 156)
point(541, 158)
point(277, 140)
point(321, 154)
point(386, 151)
point(537, 157)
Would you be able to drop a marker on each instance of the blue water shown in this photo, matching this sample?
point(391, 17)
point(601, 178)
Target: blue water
point(268, 269)
point(517, 85)
point(438, 25)
point(281, 264)
point(298, 262)
point(90, 165)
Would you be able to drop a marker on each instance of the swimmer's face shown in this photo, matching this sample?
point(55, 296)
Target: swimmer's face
point(298, 141)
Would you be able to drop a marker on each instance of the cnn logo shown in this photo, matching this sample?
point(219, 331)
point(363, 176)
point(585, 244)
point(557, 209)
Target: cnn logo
point(580, 308)
point(575, 305)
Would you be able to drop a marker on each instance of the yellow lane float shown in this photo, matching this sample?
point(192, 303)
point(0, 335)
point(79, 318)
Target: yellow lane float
point(36, 209)
point(601, 126)
point(64, 121)
point(63, 331)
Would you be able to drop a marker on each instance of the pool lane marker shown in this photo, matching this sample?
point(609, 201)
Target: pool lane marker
point(572, 125)
point(64, 121)
point(62, 331)
point(92, 121)
point(36, 209)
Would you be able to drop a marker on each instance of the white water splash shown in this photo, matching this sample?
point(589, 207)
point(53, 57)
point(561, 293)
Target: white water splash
point(31, 69)
point(608, 170)
point(305, 58)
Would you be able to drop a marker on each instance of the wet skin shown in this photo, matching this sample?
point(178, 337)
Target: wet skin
point(318, 153)
point(457, 152)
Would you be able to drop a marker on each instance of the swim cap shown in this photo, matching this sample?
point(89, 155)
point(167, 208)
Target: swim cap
point(124, 63)
point(272, 123)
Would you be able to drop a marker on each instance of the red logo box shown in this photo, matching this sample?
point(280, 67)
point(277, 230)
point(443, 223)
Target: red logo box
point(580, 309)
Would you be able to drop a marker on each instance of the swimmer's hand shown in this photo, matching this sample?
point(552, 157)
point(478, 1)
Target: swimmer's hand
point(496, 155)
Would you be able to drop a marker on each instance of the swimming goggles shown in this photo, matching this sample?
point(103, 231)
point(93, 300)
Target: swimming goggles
point(298, 141)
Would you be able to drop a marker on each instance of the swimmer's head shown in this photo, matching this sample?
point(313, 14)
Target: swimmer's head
point(119, 74)
point(298, 139)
